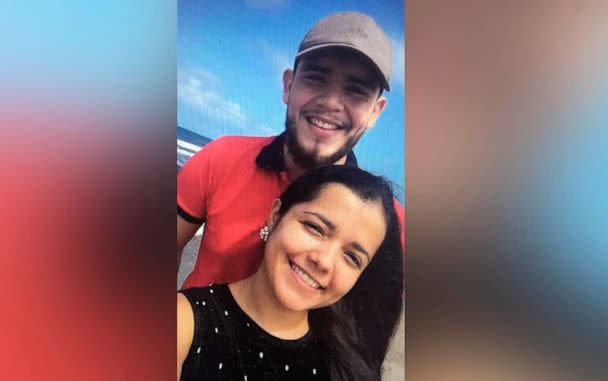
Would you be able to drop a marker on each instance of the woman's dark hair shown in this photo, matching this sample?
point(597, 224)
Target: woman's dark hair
point(356, 331)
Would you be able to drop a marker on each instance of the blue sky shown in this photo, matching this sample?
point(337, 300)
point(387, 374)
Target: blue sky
point(231, 56)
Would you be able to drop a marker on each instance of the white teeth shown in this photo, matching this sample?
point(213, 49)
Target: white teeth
point(323, 125)
point(308, 280)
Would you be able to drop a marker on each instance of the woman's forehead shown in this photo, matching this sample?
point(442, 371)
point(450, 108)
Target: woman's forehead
point(338, 199)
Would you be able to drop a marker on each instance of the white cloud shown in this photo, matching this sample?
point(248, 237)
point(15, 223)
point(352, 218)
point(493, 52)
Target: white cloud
point(195, 87)
point(398, 74)
point(206, 77)
point(265, 4)
point(279, 59)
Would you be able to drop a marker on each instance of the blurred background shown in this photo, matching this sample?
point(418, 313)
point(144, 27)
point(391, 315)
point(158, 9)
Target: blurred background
point(506, 129)
point(507, 192)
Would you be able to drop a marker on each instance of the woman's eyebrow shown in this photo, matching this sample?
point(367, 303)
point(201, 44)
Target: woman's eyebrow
point(324, 219)
point(360, 248)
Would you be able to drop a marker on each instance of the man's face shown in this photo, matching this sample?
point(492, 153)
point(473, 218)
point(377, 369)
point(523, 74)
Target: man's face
point(331, 99)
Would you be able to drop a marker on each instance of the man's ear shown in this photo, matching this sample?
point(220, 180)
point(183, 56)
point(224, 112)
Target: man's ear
point(274, 213)
point(288, 75)
point(379, 107)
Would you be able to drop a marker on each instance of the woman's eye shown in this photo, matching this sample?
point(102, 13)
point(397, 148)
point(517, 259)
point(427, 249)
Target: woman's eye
point(353, 258)
point(313, 228)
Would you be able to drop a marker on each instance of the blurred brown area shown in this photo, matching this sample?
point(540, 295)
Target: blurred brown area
point(486, 83)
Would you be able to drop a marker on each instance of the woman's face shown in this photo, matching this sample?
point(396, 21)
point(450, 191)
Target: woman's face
point(316, 252)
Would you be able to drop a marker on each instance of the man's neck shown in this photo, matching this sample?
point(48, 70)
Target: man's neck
point(254, 296)
point(293, 170)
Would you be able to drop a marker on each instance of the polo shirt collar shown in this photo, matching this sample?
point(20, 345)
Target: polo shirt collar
point(271, 156)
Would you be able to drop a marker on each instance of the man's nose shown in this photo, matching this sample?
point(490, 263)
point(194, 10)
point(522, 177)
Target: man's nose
point(331, 99)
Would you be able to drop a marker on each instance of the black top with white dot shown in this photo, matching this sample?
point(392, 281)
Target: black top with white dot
point(228, 345)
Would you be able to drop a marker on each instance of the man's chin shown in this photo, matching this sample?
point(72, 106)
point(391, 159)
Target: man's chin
point(317, 160)
point(313, 157)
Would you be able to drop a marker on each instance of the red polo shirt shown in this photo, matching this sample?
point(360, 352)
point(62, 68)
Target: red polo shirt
point(229, 186)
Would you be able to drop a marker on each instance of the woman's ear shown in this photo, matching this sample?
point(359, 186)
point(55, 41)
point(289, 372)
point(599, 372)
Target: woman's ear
point(274, 213)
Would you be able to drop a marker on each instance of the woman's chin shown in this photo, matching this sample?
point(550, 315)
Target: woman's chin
point(294, 302)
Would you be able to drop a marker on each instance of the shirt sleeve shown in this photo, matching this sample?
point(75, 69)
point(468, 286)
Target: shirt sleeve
point(194, 184)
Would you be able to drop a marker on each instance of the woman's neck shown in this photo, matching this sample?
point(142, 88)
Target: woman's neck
point(254, 296)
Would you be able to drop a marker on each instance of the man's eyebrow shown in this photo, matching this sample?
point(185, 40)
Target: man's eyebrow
point(360, 248)
point(362, 82)
point(311, 66)
point(327, 222)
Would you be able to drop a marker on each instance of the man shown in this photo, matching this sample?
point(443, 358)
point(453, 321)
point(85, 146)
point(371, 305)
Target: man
point(333, 95)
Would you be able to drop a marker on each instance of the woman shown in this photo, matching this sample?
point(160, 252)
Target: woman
point(325, 300)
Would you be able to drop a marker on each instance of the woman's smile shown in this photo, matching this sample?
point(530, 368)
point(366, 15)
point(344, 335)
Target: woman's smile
point(303, 276)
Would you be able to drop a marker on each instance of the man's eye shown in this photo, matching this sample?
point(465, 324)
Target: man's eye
point(356, 90)
point(314, 78)
point(353, 258)
point(313, 228)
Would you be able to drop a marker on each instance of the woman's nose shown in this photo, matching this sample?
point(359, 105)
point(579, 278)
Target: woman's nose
point(324, 257)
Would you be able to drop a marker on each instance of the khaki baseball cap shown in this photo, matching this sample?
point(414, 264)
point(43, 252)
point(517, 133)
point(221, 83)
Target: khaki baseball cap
point(353, 30)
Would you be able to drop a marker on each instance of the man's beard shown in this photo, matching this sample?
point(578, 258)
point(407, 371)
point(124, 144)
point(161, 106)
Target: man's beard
point(311, 159)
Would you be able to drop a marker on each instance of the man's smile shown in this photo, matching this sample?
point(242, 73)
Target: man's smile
point(324, 124)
